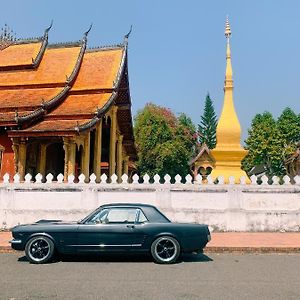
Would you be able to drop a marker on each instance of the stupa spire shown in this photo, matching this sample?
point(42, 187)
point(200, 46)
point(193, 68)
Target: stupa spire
point(228, 152)
point(228, 73)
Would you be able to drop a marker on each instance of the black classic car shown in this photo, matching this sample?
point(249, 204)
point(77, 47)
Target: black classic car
point(122, 227)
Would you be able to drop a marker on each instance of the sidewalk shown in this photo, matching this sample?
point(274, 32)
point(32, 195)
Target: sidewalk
point(254, 242)
point(250, 242)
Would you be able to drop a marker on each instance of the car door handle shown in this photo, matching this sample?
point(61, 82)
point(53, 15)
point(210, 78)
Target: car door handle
point(130, 226)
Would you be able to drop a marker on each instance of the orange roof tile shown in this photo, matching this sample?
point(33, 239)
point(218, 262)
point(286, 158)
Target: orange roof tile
point(18, 55)
point(81, 104)
point(57, 63)
point(56, 125)
point(10, 116)
point(99, 69)
point(26, 97)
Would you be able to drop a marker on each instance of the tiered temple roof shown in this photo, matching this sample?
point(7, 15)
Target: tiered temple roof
point(63, 89)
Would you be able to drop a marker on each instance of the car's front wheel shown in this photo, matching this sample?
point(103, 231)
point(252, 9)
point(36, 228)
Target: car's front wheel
point(165, 250)
point(39, 250)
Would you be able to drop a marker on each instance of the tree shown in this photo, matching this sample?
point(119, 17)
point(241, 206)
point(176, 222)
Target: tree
point(265, 145)
point(208, 125)
point(289, 126)
point(187, 132)
point(164, 143)
point(271, 142)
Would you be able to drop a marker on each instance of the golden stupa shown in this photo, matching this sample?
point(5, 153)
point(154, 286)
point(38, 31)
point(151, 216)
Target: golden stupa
point(228, 153)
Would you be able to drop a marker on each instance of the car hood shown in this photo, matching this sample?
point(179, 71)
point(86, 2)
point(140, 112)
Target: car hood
point(47, 222)
point(60, 222)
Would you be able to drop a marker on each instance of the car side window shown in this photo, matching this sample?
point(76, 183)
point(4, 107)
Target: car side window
point(121, 215)
point(141, 218)
point(118, 215)
point(99, 217)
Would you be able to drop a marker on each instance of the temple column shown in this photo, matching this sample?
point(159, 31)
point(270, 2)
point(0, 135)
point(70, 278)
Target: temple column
point(120, 157)
point(15, 147)
point(70, 152)
point(22, 159)
point(66, 160)
point(126, 160)
point(86, 157)
point(42, 161)
point(97, 151)
point(112, 143)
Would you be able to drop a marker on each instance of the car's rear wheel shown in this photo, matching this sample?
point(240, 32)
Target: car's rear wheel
point(39, 250)
point(165, 250)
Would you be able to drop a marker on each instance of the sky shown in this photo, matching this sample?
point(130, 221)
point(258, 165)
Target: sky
point(177, 48)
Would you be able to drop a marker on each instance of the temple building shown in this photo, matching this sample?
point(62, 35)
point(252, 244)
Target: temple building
point(64, 108)
point(228, 153)
point(203, 163)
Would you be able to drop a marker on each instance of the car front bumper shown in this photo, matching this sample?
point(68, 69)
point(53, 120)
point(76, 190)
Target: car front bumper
point(17, 244)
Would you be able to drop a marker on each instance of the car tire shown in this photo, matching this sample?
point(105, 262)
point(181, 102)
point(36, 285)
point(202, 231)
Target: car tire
point(39, 250)
point(165, 250)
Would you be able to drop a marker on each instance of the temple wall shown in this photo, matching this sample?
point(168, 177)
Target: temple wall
point(224, 207)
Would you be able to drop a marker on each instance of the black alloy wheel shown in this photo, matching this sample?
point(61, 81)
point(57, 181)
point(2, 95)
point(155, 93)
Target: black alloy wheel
point(165, 250)
point(39, 250)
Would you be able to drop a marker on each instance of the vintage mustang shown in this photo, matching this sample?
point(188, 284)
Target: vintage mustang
point(113, 227)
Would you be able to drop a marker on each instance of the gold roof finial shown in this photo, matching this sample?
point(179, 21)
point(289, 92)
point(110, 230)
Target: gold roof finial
point(227, 28)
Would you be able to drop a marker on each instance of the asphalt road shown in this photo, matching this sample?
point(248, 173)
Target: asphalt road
point(215, 276)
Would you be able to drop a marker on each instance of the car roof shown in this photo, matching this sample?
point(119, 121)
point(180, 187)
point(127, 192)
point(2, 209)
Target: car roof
point(127, 205)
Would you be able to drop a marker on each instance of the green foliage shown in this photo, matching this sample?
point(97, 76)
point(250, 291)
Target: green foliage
point(208, 125)
point(270, 142)
point(164, 143)
point(289, 127)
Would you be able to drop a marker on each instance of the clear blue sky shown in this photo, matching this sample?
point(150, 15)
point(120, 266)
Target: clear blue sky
point(177, 48)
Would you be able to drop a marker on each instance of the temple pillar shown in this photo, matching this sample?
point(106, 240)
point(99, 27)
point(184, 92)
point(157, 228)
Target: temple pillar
point(112, 143)
point(70, 152)
point(97, 151)
point(22, 159)
point(120, 157)
point(66, 160)
point(42, 160)
point(126, 161)
point(86, 157)
point(15, 147)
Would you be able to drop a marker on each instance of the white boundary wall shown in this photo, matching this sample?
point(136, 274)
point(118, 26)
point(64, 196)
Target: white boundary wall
point(224, 207)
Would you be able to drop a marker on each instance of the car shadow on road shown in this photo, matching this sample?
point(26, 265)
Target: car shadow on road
point(195, 257)
point(122, 258)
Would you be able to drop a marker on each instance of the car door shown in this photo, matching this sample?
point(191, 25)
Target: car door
point(110, 229)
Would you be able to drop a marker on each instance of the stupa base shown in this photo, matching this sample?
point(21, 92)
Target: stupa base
point(228, 172)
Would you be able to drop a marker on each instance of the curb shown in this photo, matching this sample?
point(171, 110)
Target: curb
point(220, 250)
point(257, 250)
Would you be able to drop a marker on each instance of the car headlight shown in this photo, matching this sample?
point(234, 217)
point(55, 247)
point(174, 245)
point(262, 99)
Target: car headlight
point(208, 237)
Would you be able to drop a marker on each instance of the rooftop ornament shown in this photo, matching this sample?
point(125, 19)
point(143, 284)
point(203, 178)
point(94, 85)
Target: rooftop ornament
point(7, 37)
point(87, 32)
point(126, 36)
